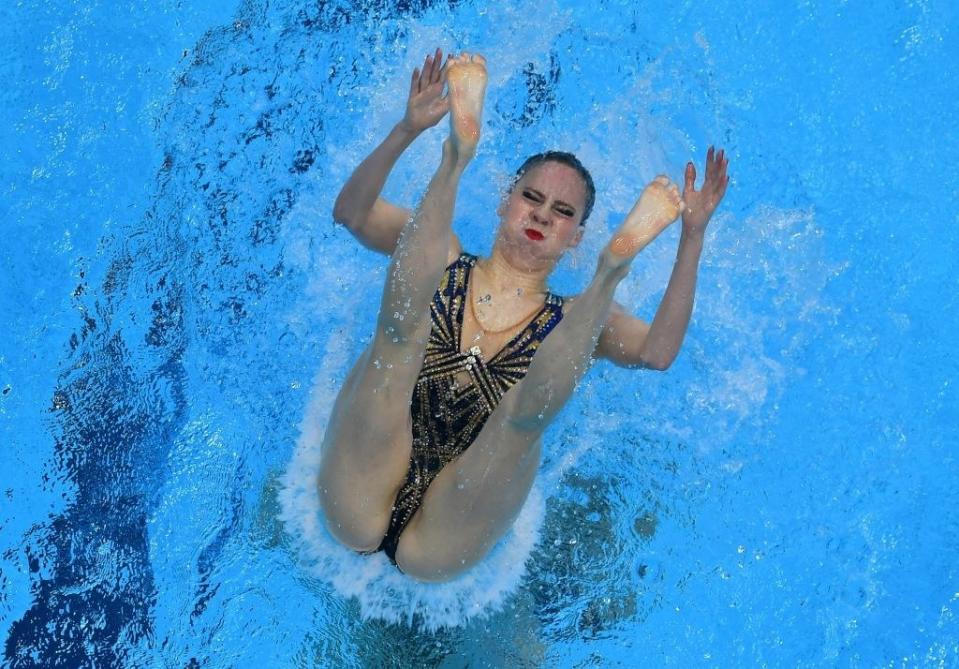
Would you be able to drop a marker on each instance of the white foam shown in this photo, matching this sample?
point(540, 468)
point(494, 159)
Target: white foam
point(381, 590)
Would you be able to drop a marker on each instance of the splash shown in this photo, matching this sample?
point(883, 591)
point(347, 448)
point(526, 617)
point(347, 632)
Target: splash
point(381, 590)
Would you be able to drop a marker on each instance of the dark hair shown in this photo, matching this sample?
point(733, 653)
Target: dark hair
point(569, 160)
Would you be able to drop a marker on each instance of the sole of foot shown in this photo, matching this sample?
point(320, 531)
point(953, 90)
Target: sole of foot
point(657, 207)
point(466, 78)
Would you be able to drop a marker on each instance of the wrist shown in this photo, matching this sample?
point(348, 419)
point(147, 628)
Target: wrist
point(407, 130)
point(690, 243)
point(692, 234)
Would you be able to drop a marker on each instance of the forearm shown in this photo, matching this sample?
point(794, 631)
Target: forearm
point(668, 328)
point(356, 199)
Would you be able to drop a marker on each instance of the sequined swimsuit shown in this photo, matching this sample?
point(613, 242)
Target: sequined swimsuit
point(447, 415)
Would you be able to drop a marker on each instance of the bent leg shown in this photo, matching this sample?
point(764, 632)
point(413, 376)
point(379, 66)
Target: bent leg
point(366, 449)
point(367, 446)
point(476, 498)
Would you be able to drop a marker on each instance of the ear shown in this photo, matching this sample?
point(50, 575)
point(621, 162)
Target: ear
point(501, 209)
point(578, 238)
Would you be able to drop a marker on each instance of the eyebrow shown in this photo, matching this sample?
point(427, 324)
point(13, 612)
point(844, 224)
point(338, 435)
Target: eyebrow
point(560, 202)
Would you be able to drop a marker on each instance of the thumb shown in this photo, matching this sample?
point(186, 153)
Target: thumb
point(690, 177)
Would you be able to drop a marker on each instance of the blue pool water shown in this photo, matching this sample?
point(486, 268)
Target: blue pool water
point(180, 309)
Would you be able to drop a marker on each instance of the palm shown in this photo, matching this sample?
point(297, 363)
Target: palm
point(700, 204)
point(427, 104)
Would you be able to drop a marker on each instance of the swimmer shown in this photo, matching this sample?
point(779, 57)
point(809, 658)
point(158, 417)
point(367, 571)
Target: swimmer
point(434, 439)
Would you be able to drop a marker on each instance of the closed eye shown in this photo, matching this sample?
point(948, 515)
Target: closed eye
point(560, 208)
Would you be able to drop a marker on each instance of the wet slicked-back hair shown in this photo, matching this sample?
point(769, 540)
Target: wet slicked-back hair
point(569, 160)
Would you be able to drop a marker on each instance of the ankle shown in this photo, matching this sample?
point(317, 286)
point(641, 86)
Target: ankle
point(611, 268)
point(455, 161)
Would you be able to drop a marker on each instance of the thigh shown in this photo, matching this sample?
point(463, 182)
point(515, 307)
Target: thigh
point(458, 522)
point(367, 445)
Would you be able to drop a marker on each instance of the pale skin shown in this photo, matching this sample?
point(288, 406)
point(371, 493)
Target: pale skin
point(474, 500)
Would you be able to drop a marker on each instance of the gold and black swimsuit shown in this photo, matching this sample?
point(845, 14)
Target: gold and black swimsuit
point(448, 413)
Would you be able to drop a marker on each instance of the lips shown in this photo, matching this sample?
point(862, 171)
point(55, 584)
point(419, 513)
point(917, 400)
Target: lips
point(535, 235)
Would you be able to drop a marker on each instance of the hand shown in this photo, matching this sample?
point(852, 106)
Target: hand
point(427, 104)
point(700, 204)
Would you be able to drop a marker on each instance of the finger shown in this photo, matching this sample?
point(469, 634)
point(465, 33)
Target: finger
point(437, 66)
point(415, 82)
point(425, 72)
point(663, 179)
point(428, 65)
point(690, 178)
point(722, 189)
point(710, 164)
point(721, 173)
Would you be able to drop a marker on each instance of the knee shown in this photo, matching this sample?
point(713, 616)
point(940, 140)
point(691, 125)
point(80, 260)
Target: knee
point(357, 529)
point(430, 566)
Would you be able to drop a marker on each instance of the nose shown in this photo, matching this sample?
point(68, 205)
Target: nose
point(541, 214)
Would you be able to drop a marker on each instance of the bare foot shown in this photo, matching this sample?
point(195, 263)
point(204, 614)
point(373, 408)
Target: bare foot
point(467, 88)
point(657, 207)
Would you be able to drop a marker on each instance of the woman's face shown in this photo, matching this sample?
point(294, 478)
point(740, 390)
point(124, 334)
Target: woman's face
point(542, 214)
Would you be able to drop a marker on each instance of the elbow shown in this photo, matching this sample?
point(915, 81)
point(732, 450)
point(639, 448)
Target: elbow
point(345, 213)
point(657, 365)
point(342, 214)
point(658, 358)
point(639, 360)
point(349, 220)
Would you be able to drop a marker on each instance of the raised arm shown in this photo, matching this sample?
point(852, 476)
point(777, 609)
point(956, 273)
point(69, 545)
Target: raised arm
point(630, 342)
point(375, 222)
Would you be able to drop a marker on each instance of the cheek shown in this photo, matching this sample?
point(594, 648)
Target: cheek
point(572, 234)
point(513, 209)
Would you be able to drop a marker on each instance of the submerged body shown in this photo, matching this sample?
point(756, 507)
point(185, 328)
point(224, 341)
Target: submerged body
point(437, 484)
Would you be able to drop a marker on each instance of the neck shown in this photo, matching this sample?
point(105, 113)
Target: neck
point(503, 273)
